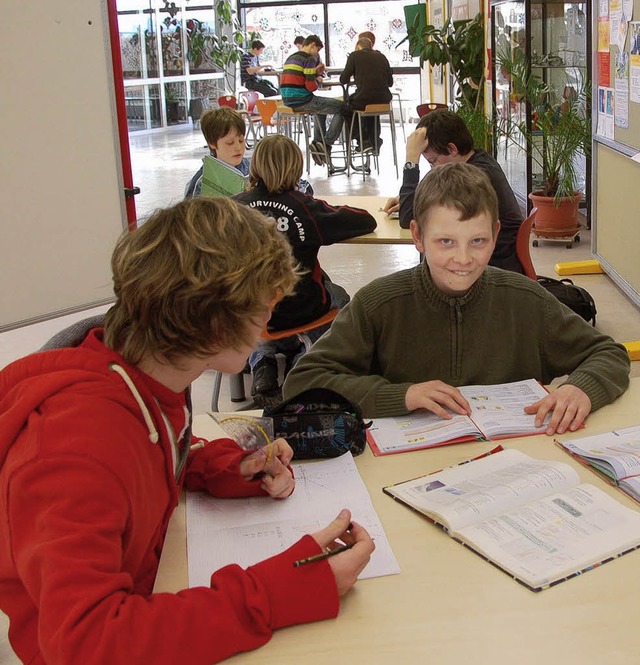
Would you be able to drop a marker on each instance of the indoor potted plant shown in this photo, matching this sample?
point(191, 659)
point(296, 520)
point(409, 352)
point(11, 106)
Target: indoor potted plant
point(460, 45)
point(557, 136)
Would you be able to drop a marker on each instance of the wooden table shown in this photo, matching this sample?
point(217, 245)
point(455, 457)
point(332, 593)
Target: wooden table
point(447, 604)
point(388, 231)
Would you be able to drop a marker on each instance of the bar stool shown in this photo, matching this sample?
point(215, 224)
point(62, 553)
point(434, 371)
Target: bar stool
point(292, 122)
point(371, 111)
point(236, 381)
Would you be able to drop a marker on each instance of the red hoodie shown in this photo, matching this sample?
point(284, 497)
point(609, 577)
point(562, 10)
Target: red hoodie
point(87, 487)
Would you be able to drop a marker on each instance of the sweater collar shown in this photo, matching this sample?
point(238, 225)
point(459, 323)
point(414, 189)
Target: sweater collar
point(435, 295)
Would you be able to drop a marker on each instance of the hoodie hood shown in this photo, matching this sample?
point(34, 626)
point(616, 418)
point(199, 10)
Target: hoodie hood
point(87, 370)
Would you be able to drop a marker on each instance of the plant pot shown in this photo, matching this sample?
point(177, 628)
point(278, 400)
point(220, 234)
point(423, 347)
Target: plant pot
point(556, 221)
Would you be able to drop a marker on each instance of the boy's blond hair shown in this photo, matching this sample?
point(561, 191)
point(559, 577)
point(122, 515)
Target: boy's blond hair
point(456, 185)
point(194, 279)
point(216, 123)
point(277, 161)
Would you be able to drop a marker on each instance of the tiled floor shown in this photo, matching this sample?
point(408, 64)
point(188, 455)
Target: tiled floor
point(164, 161)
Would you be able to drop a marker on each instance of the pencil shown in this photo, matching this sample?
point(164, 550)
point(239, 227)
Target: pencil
point(322, 556)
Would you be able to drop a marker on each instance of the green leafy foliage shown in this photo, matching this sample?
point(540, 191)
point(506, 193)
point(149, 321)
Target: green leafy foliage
point(559, 129)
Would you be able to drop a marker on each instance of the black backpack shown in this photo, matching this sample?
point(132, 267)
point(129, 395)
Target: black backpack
point(574, 297)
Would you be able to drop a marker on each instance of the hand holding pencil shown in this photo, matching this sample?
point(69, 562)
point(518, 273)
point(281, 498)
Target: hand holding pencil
point(352, 545)
point(271, 464)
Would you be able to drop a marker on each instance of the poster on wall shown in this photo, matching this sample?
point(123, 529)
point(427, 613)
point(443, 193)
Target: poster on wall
point(622, 90)
point(634, 62)
point(605, 113)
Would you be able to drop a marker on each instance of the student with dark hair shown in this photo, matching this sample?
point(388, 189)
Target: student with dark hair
point(308, 225)
point(407, 341)
point(298, 42)
point(250, 68)
point(373, 77)
point(297, 85)
point(442, 137)
point(96, 446)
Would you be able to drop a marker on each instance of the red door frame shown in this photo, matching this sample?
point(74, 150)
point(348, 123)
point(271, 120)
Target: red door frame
point(121, 110)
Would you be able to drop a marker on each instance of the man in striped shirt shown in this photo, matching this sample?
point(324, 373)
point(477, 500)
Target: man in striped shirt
point(297, 85)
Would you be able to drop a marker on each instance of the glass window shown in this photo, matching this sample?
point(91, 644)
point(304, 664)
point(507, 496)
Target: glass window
point(143, 107)
point(200, 26)
point(279, 26)
point(384, 19)
point(175, 95)
point(138, 45)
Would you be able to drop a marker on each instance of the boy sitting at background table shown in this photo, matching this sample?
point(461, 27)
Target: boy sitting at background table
point(308, 224)
point(224, 131)
point(407, 340)
point(96, 445)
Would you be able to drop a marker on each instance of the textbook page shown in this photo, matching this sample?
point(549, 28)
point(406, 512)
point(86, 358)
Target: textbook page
point(498, 410)
point(248, 530)
point(220, 179)
point(420, 429)
point(615, 453)
point(556, 537)
point(483, 488)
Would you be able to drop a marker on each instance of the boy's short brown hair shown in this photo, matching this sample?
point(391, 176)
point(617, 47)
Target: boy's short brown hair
point(277, 161)
point(444, 127)
point(216, 123)
point(456, 185)
point(193, 277)
point(369, 35)
point(313, 39)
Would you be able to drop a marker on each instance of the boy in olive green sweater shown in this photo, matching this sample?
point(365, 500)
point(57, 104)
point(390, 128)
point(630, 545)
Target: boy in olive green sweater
point(407, 340)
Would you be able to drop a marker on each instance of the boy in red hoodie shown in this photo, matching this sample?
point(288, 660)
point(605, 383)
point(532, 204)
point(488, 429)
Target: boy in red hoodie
point(95, 446)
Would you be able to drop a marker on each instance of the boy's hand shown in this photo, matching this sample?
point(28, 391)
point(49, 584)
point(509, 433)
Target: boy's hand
point(277, 479)
point(417, 143)
point(569, 406)
point(437, 397)
point(347, 565)
point(392, 205)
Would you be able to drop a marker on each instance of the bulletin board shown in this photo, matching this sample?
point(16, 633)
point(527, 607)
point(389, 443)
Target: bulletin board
point(61, 189)
point(616, 232)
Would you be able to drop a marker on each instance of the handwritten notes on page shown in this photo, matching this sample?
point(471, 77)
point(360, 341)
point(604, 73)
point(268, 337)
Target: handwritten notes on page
point(246, 531)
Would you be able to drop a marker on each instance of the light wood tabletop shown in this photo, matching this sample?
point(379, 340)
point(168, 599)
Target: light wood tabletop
point(388, 230)
point(448, 604)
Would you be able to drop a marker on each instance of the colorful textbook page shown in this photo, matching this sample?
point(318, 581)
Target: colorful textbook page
point(496, 412)
point(220, 179)
point(529, 517)
point(614, 455)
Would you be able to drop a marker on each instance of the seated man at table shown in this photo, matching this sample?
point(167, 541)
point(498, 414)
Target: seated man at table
point(250, 68)
point(407, 340)
point(373, 77)
point(442, 137)
point(95, 446)
point(297, 85)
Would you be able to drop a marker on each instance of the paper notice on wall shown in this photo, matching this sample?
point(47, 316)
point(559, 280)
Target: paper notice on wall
point(605, 113)
point(622, 90)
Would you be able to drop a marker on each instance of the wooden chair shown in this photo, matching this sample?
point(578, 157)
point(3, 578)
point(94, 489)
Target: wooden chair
point(423, 109)
point(228, 100)
point(523, 251)
point(236, 381)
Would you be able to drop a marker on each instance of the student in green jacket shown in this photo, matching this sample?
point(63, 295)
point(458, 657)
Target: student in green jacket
point(407, 340)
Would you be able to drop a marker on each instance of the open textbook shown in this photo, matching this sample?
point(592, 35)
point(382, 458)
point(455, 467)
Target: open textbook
point(614, 455)
point(248, 530)
point(220, 179)
point(529, 517)
point(496, 412)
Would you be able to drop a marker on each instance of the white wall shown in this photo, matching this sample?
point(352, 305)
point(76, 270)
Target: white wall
point(60, 180)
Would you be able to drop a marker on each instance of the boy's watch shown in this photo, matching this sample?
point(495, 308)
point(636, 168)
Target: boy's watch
point(409, 165)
